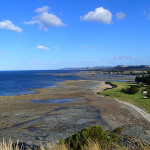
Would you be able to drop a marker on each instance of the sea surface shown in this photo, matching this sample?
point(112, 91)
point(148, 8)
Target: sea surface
point(17, 82)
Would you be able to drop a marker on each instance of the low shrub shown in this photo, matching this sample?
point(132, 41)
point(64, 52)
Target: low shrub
point(148, 92)
point(106, 94)
point(139, 85)
point(94, 133)
point(111, 84)
point(108, 82)
point(131, 90)
point(118, 130)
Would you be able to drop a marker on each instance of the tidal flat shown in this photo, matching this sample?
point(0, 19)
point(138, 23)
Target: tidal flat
point(32, 122)
point(48, 115)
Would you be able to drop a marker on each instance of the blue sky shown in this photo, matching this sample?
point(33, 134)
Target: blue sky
point(53, 34)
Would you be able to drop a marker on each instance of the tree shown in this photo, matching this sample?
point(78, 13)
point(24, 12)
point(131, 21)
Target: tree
point(138, 79)
point(131, 90)
point(148, 72)
point(148, 92)
point(143, 79)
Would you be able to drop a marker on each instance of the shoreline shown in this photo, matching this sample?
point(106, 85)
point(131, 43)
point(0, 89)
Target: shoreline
point(31, 122)
point(100, 86)
point(140, 110)
point(19, 116)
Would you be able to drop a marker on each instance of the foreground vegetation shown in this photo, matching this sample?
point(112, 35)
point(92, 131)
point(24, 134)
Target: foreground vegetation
point(92, 145)
point(138, 98)
point(92, 138)
point(94, 133)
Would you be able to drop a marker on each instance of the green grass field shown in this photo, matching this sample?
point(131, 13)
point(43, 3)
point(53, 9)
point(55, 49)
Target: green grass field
point(137, 99)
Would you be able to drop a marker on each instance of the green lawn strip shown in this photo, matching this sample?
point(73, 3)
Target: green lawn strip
point(137, 99)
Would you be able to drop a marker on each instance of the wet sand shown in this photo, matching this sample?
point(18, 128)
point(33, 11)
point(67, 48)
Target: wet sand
point(34, 122)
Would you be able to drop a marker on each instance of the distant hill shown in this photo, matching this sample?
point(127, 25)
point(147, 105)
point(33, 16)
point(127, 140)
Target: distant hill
point(88, 68)
point(141, 67)
point(119, 67)
point(74, 68)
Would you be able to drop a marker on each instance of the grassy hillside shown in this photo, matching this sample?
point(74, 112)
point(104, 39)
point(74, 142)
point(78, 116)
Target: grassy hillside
point(137, 99)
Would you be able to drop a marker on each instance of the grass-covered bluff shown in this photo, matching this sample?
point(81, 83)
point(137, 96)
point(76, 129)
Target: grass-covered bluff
point(122, 91)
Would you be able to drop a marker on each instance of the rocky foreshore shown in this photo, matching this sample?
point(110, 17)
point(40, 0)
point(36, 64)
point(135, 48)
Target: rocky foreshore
point(34, 122)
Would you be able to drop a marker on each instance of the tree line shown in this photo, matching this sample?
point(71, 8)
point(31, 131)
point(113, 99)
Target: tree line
point(143, 79)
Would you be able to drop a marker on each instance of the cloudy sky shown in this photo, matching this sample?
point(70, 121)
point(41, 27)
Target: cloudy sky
point(53, 34)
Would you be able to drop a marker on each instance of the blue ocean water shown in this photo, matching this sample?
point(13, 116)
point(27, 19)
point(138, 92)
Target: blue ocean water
point(17, 82)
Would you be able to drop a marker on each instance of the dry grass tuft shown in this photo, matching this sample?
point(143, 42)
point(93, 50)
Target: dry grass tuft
point(58, 147)
point(9, 146)
point(92, 145)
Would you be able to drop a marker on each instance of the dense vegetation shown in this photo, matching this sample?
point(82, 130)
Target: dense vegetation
point(91, 138)
point(123, 70)
point(133, 89)
point(111, 84)
point(148, 92)
point(94, 133)
point(143, 79)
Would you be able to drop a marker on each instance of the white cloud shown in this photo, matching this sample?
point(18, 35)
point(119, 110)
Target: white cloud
point(42, 9)
point(54, 62)
point(145, 59)
point(45, 19)
point(56, 47)
point(35, 61)
point(41, 47)
point(125, 57)
point(147, 14)
point(8, 25)
point(98, 15)
point(120, 15)
point(100, 48)
point(85, 47)
point(80, 57)
point(97, 60)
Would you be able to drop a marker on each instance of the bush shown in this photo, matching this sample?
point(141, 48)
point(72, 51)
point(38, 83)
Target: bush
point(148, 92)
point(132, 90)
point(140, 85)
point(94, 133)
point(111, 84)
point(123, 90)
point(143, 79)
point(108, 82)
point(118, 130)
